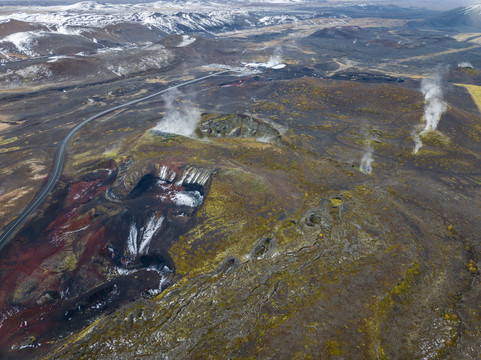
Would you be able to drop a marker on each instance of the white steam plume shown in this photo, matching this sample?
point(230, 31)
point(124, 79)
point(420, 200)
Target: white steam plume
point(417, 140)
point(181, 119)
point(366, 161)
point(435, 105)
point(275, 61)
point(465, 64)
point(432, 89)
point(276, 58)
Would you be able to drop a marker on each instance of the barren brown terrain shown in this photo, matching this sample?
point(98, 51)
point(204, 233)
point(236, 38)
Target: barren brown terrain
point(297, 204)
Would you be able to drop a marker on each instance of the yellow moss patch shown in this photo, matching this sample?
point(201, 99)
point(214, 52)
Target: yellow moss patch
point(466, 36)
point(8, 141)
point(407, 282)
point(78, 337)
point(156, 80)
point(472, 267)
point(70, 262)
point(110, 153)
point(335, 202)
point(399, 294)
point(239, 209)
point(436, 138)
point(333, 348)
point(475, 92)
point(10, 149)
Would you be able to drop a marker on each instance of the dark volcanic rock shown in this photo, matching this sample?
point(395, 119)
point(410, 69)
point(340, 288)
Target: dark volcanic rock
point(366, 77)
point(237, 125)
point(98, 250)
point(13, 26)
point(289, 251)
point(341, 32)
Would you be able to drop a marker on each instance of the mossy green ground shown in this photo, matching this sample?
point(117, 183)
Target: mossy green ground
point(352, 261)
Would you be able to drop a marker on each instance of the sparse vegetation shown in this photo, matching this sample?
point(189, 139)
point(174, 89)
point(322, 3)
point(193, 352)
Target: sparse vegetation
point(290, 251)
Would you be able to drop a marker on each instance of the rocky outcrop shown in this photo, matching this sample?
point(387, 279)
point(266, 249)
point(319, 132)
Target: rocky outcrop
point(238, 125)
point(105, 242)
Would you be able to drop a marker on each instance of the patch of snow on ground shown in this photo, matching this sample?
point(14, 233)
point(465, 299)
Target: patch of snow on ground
point(187, 40)
point(138, 245)
point(188, 198)
point(153, 225)
point(472, 9)
point(24, 41)
point(34, 72)
point(132, 239)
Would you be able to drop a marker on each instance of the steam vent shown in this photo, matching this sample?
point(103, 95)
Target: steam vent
point(240, 180)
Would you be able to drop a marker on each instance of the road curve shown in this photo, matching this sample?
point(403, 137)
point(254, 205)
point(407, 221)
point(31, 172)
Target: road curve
point(13, 227)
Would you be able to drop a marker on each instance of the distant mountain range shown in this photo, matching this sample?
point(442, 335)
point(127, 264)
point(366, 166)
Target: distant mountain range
point(90, 26)
point(174, 19)
point(463, 16)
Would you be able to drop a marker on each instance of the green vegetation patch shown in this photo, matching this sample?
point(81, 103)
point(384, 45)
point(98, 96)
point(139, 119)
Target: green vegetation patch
point(399, 295)
point(8, 141)
point(239, 209)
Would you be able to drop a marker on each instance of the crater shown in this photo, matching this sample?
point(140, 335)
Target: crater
point(263, 248)
point(94, 253)
point(144, 185)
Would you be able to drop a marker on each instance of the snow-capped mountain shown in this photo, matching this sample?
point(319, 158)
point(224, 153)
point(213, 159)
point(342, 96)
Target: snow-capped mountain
point(169, 17)
point(469, 16)
point(89, 26)
point(91, 41)
point(472, 10)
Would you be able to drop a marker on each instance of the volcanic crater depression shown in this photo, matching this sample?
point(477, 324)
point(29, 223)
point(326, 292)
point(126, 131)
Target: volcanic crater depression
point(106, 243)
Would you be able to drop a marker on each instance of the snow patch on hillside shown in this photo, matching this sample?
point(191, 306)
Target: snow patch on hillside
point(474, 9)
point(23, 41)
point(166, 16)
point(186, 41)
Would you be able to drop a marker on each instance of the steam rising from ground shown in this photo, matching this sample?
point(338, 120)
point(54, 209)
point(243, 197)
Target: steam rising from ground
point(432, 89)
point(366, 161)
point(276, 58)
point(275, 61)
point(417, 140)
point(435, 105)
point(180, 118)
point(113, 149)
